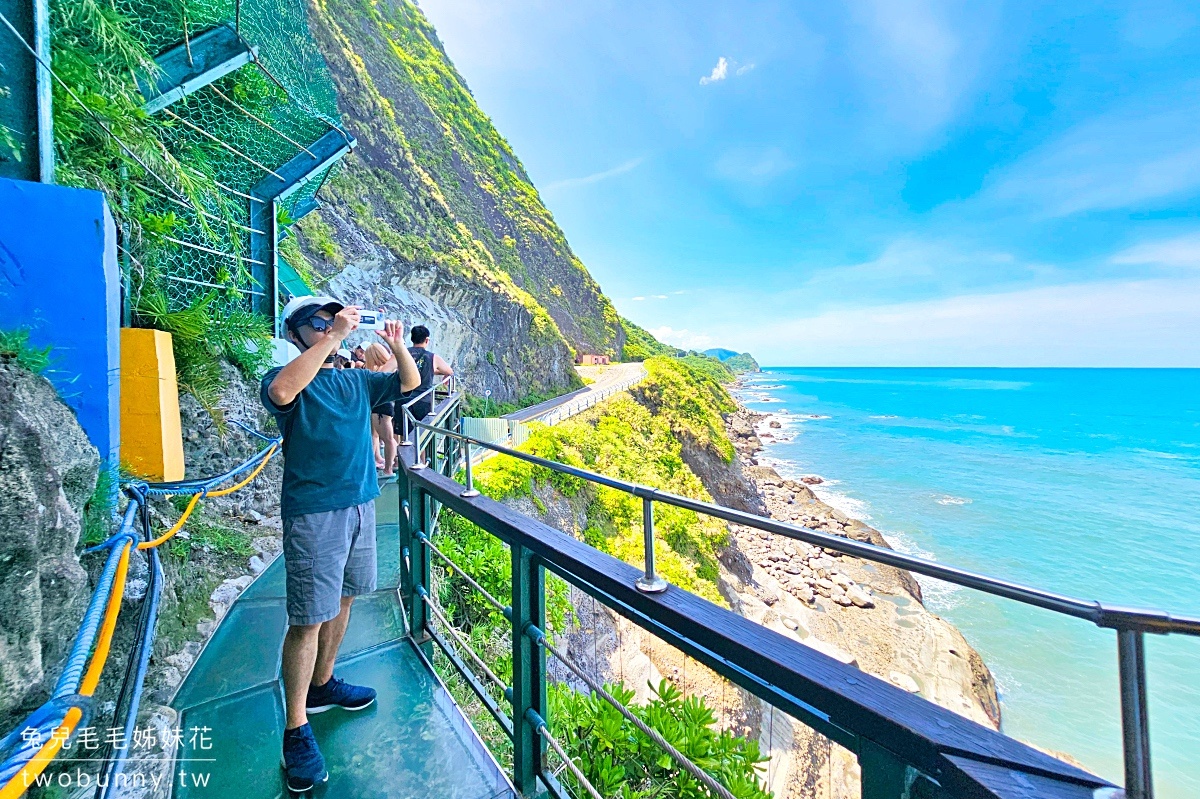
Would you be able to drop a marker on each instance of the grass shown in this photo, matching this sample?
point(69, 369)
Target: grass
point(15, 348)
point(98, 523)
point(207, 534)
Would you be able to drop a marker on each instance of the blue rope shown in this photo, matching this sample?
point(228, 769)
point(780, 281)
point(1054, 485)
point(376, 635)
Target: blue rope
point(116, 763)
point(72, 673)
point(194, 486)
point(46, 719)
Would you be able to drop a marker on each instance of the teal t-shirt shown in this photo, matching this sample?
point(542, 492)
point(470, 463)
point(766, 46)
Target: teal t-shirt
point(327, 458)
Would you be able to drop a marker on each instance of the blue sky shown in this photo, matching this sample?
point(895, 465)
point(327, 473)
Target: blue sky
point(885, 182)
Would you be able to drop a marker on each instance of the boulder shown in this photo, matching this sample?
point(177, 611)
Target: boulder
point(48, 471)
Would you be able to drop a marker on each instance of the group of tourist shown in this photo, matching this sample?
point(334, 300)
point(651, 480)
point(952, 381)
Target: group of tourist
point(387, 419)
point(324, 401)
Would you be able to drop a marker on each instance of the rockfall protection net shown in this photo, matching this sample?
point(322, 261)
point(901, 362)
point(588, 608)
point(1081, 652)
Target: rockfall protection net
point(237, 130)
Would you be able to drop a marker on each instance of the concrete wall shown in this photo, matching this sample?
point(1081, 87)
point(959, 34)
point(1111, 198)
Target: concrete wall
point(59, 278)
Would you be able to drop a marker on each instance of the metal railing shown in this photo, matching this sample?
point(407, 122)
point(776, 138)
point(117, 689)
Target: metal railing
point(1130, 624)
point(585, 401)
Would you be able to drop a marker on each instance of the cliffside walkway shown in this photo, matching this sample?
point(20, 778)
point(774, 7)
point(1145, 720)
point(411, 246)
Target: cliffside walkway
point(414, 742)
point(609, 381)
point(417, 742)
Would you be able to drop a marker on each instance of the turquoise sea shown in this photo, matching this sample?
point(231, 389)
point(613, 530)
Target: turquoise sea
point(1082, 481)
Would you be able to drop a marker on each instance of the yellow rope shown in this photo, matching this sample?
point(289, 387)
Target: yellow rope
point(162, 539)
point(96, 667)
point(196, 498)
point(24, 779)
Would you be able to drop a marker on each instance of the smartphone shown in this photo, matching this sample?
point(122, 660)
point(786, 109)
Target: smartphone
point(370, 320)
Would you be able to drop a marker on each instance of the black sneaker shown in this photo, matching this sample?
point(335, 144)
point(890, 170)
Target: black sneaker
point(337, 693)
point(302, 760)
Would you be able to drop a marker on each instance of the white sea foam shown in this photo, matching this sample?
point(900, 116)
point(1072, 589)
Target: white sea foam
point(948, 500)
point(939, 596)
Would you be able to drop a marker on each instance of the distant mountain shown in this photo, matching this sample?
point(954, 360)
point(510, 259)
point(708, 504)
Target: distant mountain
point(736, 362)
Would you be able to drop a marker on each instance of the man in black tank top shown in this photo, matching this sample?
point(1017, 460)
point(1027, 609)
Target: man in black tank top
point(429, 364)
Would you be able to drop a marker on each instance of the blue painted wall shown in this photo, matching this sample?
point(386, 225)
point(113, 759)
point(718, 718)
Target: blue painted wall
point(59, 278)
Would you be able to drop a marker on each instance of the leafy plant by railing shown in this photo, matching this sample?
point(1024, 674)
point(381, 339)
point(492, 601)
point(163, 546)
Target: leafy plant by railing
point(202, 339)
point(619, 760)
point(615, 757)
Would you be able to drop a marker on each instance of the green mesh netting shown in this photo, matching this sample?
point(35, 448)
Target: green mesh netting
point(266, 111)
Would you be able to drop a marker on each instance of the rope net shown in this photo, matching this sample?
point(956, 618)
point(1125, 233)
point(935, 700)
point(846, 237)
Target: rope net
point(236, 131)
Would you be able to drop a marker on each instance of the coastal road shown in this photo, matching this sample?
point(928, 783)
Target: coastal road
point(605, 378)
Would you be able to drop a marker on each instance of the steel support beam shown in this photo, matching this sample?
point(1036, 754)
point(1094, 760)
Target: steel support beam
point(325, 152)
point(194, 64)
point(26, 112)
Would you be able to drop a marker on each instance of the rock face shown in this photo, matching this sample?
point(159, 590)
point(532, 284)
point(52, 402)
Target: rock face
point(434, 217)
point(865, 615)
point(209, 450)
point(48, 471)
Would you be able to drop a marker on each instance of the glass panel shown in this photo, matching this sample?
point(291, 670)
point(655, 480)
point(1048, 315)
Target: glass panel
point(243, 652)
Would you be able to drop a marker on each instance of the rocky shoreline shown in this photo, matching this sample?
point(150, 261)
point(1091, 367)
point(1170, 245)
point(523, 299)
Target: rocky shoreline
point(863, 614)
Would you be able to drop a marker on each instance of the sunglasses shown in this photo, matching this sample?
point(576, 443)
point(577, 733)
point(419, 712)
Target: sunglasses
point(320, 325)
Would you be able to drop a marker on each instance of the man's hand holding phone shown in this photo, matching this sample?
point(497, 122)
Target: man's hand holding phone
point(345, 322)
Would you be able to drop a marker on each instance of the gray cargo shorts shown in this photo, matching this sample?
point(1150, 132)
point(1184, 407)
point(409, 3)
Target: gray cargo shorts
point(328, 556)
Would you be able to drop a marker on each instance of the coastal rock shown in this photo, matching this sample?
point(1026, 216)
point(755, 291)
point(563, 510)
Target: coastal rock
point(812, 480)
point(48, 470)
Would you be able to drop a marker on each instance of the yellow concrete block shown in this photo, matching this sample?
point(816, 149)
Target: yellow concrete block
point(151, 435)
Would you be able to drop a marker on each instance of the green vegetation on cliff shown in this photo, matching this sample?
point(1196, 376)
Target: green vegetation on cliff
point(640, 440)
point(435, 182)
point(640, 344)
point(737, 362)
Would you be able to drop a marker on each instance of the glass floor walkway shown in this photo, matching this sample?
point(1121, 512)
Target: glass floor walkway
point(413, 742)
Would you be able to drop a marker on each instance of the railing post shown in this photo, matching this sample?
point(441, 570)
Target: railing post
point(417, 566)
point(405, 428)
point(885, 776)
point(1135, 721)
point(469, 491)
point(649, 582)
point(529, 668)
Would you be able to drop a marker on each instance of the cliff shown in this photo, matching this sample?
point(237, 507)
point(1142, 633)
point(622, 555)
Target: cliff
point(48, 472)
point(680, 431)
point(737, 362)
point(433, 216)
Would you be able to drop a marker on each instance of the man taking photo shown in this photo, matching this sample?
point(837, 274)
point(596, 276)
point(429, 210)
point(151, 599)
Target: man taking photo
point(328, 509)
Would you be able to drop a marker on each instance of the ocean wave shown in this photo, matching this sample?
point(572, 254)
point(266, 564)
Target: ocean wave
point(949, 500)
point(884, 416)
point(939, 595)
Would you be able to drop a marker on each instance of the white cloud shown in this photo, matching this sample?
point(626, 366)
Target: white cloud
point(719, 72)
point(660, 296)
point(1143, 154)
point(744, 68)
point(684, 339)
point(753, 166)
point(596, 177)
point(1182, 251)
point(913, 61)
point(1113, 323)
point(637, 299)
